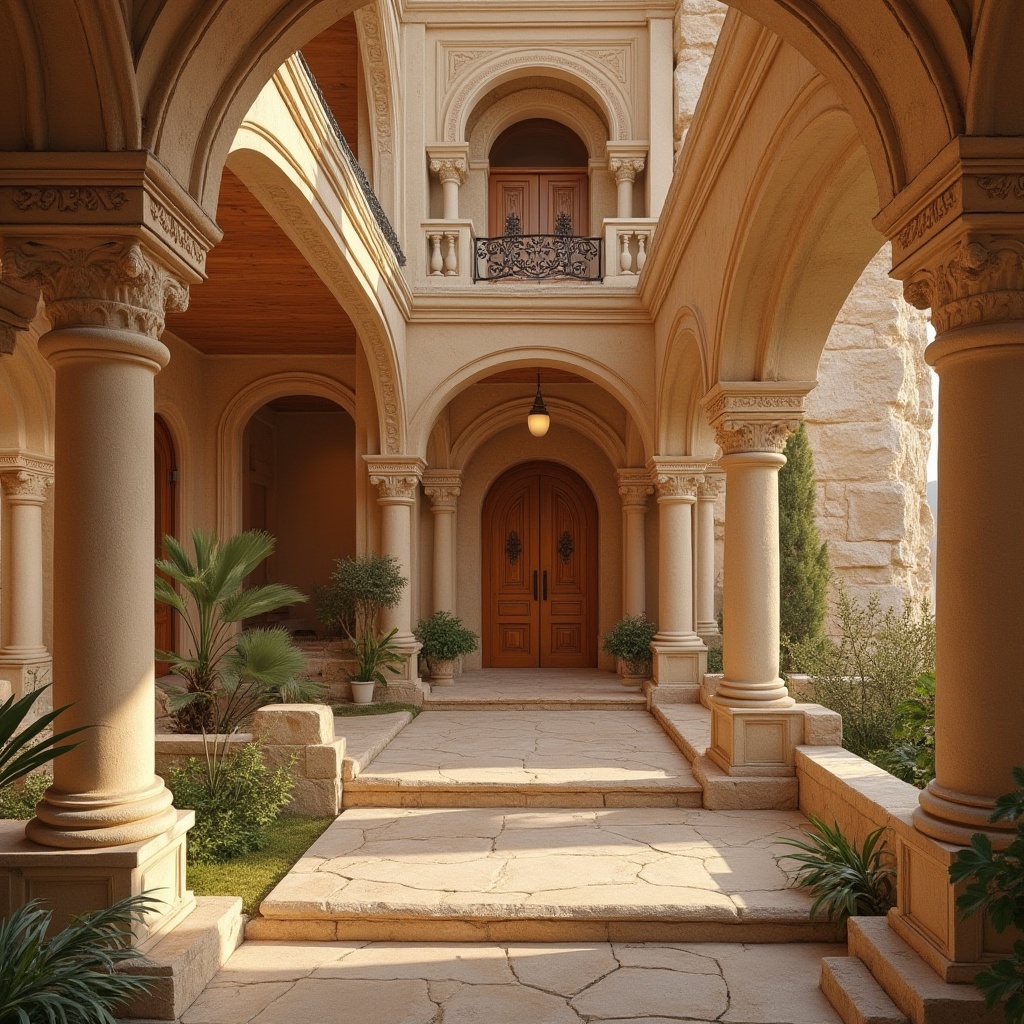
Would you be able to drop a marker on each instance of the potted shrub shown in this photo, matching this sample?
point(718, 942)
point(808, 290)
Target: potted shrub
point(358, 591)
point(445, 639)
point(630, 641)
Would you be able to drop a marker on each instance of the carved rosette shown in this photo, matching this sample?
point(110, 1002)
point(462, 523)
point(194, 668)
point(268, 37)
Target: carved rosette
point(625, 169)
point(449, 169)
point(972, 282)
point(26, 488)
point(111, 284)
point(443, 490)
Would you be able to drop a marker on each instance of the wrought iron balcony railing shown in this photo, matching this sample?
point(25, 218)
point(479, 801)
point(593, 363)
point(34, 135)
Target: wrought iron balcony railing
point(537, 258)
point(366, 188)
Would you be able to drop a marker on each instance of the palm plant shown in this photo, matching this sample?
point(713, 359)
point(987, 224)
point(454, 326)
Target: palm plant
point(847, 881)
point(222, 660)
point(69, 978)
point(25, 748)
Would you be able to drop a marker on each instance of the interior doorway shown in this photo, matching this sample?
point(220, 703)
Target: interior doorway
point(540, 570)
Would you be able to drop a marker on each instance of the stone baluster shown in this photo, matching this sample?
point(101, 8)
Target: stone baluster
point(436, 259)
point(443, 487)
point(451, 256)
point(634, 488)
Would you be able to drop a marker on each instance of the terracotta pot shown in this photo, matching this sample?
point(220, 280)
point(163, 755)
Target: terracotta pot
point(442, 672)
point(362, 691)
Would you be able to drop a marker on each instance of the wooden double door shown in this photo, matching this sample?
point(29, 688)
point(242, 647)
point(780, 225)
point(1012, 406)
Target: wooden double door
point(540, 570)
point(540, 201)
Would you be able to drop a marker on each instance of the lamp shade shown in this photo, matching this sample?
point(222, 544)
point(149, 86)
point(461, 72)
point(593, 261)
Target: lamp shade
point(538, 419)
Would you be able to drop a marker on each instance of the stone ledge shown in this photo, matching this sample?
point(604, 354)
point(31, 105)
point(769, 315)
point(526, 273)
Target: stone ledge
point(724, 792)
point(851, 988)
point(366, 737)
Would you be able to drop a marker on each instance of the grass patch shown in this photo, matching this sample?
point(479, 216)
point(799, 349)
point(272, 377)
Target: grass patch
point(385, 707)
point(254, 875)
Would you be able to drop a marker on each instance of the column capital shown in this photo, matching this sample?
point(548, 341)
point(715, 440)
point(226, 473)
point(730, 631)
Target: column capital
point(626, 160)
point(957, 236)
point(26, 487)
point(17, 310)
point(449, 162)
point(635, 487)
point(676, 478)
point(711, 486)
point(442, 487)
point(755, 416)
point(396, 477)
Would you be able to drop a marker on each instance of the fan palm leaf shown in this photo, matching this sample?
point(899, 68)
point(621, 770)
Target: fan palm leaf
point(19, 755)
point(247, 604)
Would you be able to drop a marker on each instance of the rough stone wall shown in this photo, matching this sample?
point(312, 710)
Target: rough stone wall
point(868, 422)
point(697, 24)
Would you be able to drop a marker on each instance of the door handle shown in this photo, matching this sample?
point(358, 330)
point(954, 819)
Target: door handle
point(535, 584)
point(545, 584)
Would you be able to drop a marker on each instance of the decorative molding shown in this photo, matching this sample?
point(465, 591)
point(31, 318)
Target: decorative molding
point(69, 198)
point(25, 487)
point(1002, 186)
point(112, 284)
point(625, 169)
point(443, 488)
point(971, 282)
point(375, 63)
point(755, 416)
point(176, 232)
point(676, 485)
point(710, 487)
point(397, 478)
point(735, 436)
point(616, 60)
point(458, 60)
point(452, 168)
point(635, 487)
point(935, 212)
point(12, 459)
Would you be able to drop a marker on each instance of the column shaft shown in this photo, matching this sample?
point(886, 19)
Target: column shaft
point(26, 495)
point(625, 198)
point(675, 588)
point(396, 540)
point(634, 567)
point(705, 547)
point(450, 198)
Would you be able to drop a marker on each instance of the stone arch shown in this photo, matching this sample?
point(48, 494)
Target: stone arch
point(547, 103)
point(237, 414)
point(495, 68)
point(805, 237)
point(683, 383)
point(268, 168)
point(997, 73)
point(621, 390)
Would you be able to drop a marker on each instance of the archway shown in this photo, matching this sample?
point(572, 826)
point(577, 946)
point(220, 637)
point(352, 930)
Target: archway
point(540, 566)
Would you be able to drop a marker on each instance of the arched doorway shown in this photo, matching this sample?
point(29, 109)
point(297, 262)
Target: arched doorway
point(540, 569)
point(166, 478)
point(539, 182)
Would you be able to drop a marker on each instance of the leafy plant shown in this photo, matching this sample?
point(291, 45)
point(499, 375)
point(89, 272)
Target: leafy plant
point(714, 659)
point(995, 886)
point(375, 653)
point(23, 748)
point(868, 670)
point(804, 565)
point(233, 817)
point(444, 637)
point(69, 978)
point(219, 601)
point(630, 639)
point(18, 800)
point(845, 879)
point(912, 757)
point(358, 590)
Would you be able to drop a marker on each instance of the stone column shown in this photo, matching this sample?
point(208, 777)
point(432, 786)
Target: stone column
point(24, 652)
point(751, 421)
point(634, 489)
point(443, 487)
point(680, 658)
point(449, 164)
point(624, 170)
point(960, 253)
point(397, 478)
point(707, 494)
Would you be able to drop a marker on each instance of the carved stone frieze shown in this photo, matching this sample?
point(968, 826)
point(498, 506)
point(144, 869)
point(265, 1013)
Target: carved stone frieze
point(375, 63)
point(974, 281)
point(21, 485)
point(1002, 186)
point(443, 489)
point(70, 198)
point(109, 283)
point(938, 210)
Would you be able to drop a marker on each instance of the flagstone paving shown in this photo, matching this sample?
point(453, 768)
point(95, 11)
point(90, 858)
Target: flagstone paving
point(507, 874)
point(517, 983)
point(528, 758)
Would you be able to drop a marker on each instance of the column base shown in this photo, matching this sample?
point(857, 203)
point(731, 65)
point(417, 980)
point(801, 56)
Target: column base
point(407, 686)
point(755, 741)
point(75, 882)
point(952, 817)
point(26, 671)
point(679, 664)
point(709, 634)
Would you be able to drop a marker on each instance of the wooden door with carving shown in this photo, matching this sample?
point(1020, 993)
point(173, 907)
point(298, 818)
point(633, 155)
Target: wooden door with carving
point(540, 570)
point(166, 474)
point(540, 202)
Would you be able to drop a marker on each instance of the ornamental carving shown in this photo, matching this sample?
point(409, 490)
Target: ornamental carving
point(449, 169)
point(70, 198)
point(625, 169)
point(676, 485)
point(1002, 186)
point(767, 403)
point(459, 59)
point(25, 486)
point(113, 284)
point(754, 435)
point(443, 490)
point(710, 488)
point(635, 495)
point(976, 283)
point(177, 232)
point(614, 60)
point(375, 61)
point(394, 487)
point(513, 547)
point(934, 213)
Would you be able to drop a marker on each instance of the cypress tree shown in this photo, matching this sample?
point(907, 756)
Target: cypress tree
point(804, 561)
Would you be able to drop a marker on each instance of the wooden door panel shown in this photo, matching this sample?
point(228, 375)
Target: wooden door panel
point(514, 194)
point(564, 194)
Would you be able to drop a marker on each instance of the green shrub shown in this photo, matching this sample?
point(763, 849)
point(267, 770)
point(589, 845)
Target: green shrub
point(444, 637)
point(846, 881)
point(630, 639)
point(358, 590)
point(19, 799)
point(912, 757)
point(995, 886)
point(869, 670)
point(234, 812)
point(714, 659)
point(803, 557)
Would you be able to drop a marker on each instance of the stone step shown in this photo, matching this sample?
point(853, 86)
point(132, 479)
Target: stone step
point(509, 874)
point(911, 984)
point(365, 737)
point(851, 988)
point(536, 690)
point(443, 702)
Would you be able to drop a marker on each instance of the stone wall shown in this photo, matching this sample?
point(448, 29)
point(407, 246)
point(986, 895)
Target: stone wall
point(697, 24)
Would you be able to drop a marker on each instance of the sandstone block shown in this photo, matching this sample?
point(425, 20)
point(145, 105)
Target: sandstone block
point(854, 451)
point(860, 554)
point(877, 511)
point(879, 374)
point(699, 30)
point(312, 798)
point(293, 724)
point(691, 70)
point(280, 754)
point(822, 726)
point(323, 760)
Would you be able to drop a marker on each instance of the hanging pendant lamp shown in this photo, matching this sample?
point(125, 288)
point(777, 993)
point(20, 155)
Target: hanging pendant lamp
point(538, 419)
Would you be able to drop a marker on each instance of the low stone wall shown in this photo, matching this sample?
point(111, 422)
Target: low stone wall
point(328, 662)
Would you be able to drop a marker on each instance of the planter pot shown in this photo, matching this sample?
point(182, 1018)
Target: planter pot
point(362, 691)
point(442, 672)
point(634, 673)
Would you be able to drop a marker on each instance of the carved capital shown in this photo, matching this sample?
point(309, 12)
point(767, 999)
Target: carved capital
point(24, 487)
point(710, 487)
point(755, 416)
point(452, 168)
point(676, 479)
point(978, 279)
point(625, 168)
point(735, 436)
point(635, 487)
point(396, 478)
point(90, 283)
point(443, 489)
